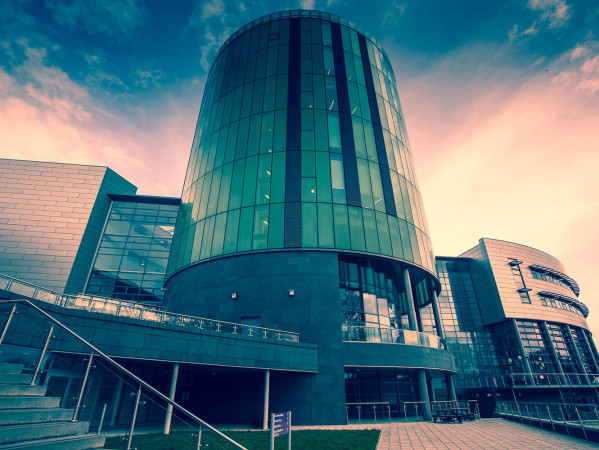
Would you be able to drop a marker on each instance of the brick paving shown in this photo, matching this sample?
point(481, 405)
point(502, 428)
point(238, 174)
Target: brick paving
point(482, 434)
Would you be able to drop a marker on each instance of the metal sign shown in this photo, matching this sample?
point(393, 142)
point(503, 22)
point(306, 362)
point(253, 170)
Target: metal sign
point(280, 425)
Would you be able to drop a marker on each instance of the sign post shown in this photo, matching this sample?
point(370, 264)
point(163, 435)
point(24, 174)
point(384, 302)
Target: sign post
point(280, 425)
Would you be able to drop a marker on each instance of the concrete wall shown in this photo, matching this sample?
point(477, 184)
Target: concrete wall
point(45, 211)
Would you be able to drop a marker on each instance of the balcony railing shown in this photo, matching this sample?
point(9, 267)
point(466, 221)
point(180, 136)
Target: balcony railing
point(354, 333)
point(535, 380)
point(139, 311)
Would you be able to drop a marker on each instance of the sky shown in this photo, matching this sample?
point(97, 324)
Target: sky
point(500, 99)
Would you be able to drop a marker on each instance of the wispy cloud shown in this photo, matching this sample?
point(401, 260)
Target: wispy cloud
point(145, 78)
point(116, 18)
point(555, 13)
point(213, 8)
point(394, 11)
point(307, 4)
point(515, 32)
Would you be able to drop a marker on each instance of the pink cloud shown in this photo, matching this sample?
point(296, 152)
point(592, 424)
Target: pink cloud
point(510, 160)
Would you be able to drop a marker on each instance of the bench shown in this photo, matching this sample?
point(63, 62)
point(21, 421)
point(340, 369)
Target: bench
point(448, 415)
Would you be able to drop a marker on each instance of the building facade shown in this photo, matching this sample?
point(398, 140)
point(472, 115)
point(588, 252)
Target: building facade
point(301, 210)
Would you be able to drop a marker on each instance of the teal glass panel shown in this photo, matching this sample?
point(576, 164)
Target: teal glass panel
point(307, 121)
point(281, 100)
point(414, 242)
point(230, 245)
point(197, 241)
point(207, 240)
point(321, 138)
point(283, 60)
point(328, 61)
point(341, 227)
point(377, 187)
point(396, 246)
point(359, 142)
point(237, 99)
point(326, 33)
point(254, 135)
point(383, 232)
point(246, 222)
point(213, 201)
point(370, 144)
point(264, 177)
point(280, 132)
point(249, 182)
point(350, 70)
point(231, 142)
point(246, 103)
point(365, 186)
point(225, 188)
point(237, 184)
point(319, 92)
point(330, 86)
point(356, 228)
point(276, 226)
point(326, 237)
point(308, 189)
point(258, 97)
point(242, 138)
point(337, 178)
point(354, 101)
point(307, 140)
point(405, 240)
point(271, 64)
point(219, 234)
point(222, 143)
point(399, 209)
point(309, 225)
point(270, 93)
point(406, 199)
point(266, 137)
point(370, 231)
point(365, 106)
point(317, 59)
point(277, 194)
point(308, 168)
point(260, 240)
point(323, 177)
point(335, 132)
point(204, 196)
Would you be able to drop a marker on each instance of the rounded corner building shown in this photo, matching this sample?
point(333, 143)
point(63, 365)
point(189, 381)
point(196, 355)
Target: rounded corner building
point(301, 211)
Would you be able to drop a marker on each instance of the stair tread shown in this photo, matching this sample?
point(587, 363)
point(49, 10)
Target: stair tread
point(40, 425)
point(61, 439)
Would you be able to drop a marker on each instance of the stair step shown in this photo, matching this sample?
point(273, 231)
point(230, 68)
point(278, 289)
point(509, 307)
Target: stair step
point(80, 442)
point(21, 389)
point(28, 401)
point(34, 415)
point(11, 368)
point(15, 378)
point(28, 432)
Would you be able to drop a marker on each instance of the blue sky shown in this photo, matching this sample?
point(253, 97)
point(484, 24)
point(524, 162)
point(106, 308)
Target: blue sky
point(501, 102)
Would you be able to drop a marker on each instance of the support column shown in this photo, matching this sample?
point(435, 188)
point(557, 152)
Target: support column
point(117, 401)
point(410, 301)
point(171, 395)
point(438, 320)
point(449, 382)
point(592, 353)
point(578, 356)
point(266, 399)
point(423, 391)
point(431, 390)
point(554, 353)
point(523, 353)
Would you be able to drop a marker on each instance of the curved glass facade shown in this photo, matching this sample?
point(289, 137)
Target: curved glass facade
point(300, 143)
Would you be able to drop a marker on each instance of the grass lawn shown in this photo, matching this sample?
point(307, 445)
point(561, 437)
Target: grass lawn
point(253, 440)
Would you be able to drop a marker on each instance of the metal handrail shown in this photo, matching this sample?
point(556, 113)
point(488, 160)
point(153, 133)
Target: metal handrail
point(533, 379)
point(388, 335)
point(153, 311)
point(124, 370)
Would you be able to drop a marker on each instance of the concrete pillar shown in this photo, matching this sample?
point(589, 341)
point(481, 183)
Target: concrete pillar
point(554, 353)
point(423, 391)
point(450, 383)
point(437, 314)
point(116, 402)
point(266, 399)
point(171, 395)
point(410, 301)
point(531, 380)
point(431, 390)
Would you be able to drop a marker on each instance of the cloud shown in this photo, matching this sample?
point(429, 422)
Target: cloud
point(395, 10)
point(555, 12)
point(116, 18)
point(213, 8)
point(145, 78)
point(515, 33)
point(306, 4)
point(582, 71)
point(504, 156)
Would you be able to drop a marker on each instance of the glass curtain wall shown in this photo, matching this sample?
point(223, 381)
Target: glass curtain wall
point(300, 143)
point(133, 253)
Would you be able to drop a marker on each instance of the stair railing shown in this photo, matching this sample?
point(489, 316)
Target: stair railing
point(96, 356)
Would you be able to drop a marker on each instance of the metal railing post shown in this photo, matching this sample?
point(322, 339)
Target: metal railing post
point(199, 443)
point(581, 425)
point(83, 384)
point(405, 413)
point(137, 398)
point(42, 354)
point(5, 329)
point(374, 411)
point(389, 410)
point(550, 417)
point(565, 421)
point(359, 414)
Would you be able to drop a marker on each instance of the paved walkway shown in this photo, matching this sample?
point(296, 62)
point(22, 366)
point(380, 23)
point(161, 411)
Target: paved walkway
point(482, 434)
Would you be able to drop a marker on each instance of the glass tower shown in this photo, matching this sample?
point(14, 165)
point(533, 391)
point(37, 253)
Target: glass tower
point(301, 143)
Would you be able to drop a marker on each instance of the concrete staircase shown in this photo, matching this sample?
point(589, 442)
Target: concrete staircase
point(29, 420)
